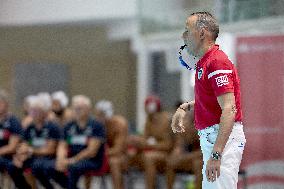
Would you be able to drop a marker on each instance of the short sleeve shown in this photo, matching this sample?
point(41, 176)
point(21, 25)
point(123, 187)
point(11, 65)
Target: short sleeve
point(220, 76)
point(62, 135)
point(26, 134)
point(64, 132)
point(98, 131)
point(54, 131)
point(15, 127)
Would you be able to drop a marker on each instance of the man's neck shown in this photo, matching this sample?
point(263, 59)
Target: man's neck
point(39, 124)
point(83, 122)
point(205, 48)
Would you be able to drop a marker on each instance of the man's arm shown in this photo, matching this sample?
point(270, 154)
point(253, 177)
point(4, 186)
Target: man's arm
point(48, 149)
point(89, 152)
point(165, 142)
point(121, 139)
point(62, 150)
point(178, 145)
point(10, 148)
point(227, 104)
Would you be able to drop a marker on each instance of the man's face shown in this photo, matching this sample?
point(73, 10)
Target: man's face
point(56, 105)
point(191, 36)
point(151, 108)
point(100, 116)
point(3, 107)
point(37, 114)
point(81, 111)
point(57, 108)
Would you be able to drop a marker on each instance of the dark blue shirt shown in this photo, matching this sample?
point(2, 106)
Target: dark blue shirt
point(38, 137)
point(10, 126)
point(77, 138)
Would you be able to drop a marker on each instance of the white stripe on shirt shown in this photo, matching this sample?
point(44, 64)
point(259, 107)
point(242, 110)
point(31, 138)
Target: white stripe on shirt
point(218, 72)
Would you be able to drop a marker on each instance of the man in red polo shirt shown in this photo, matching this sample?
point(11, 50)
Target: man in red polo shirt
point(217, 107)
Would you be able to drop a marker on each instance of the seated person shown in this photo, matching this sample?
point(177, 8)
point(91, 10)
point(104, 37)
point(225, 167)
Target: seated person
point(81, 148)
point(116, 131)
point(60, 113)
point(156, 143)
point(27, 118)
point(186, 155)
point(10, 132)
point(39, 145)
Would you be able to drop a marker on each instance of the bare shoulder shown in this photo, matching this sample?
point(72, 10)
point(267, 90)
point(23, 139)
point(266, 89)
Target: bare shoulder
point(164, 115)
point(121, 121)
point(68, 112)
point(51, 116)
point(68, 115)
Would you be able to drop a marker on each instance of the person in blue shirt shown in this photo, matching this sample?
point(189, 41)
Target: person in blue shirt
point(81, 148)
point(10, 132)
point(39, 145)
point(61, 113)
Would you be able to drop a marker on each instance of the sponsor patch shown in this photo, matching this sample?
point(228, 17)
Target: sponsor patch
point(222, 80)
point(38, 142)
point(199, 74)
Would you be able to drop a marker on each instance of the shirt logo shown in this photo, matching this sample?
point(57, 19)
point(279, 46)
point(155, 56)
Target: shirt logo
point(32, 133)
point(72, 130)
point(38, 142)
point(199, 74)
point(241, 145)
point(45, 133)
point(78, 140)
point(222, 80)
point(88, 131)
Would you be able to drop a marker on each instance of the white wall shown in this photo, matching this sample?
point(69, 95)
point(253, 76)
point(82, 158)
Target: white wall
point(28, 12)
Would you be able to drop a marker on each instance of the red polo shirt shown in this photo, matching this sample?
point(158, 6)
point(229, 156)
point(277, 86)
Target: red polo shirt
point(215, 75)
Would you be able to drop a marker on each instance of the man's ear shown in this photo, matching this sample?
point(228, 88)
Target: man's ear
point(202, 33)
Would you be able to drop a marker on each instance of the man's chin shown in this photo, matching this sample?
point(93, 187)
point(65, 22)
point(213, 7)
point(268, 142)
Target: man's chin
point(190, 53)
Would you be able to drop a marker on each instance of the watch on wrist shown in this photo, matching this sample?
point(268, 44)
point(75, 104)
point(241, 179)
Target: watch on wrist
point(216, 156)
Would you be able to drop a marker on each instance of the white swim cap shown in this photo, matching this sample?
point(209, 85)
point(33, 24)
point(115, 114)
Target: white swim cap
point(43, 101)
point(61, 97)
point(106, 107)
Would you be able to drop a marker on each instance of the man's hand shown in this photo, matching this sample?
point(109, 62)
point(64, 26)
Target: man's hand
point(61, 164)
point(213, 169)
point(23, 149)
point(18, 159)
point(177, 121)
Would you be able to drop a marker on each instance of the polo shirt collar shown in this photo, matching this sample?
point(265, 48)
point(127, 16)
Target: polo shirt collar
point(207, 55)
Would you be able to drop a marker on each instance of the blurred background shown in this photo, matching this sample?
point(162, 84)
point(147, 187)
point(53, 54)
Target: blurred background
point(124, 50)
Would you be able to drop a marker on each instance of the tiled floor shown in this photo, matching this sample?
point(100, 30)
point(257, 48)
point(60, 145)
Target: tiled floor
point(138, 182)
